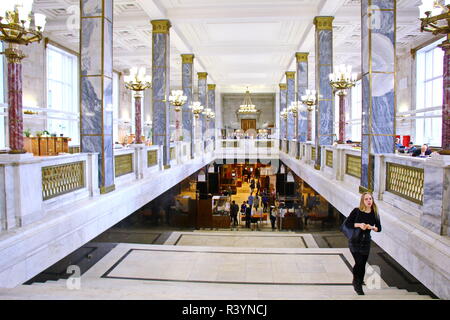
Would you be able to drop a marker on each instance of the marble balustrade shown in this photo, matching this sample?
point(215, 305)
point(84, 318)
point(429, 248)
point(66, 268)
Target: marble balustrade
point(416, 236)
point(433, 212)
point(407, 225)
point(14, 169)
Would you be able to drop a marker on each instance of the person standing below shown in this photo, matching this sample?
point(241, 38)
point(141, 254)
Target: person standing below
point(256, 201)
point(250, 200)
point(366, 218)
point(258, 186)
point(234, 212)
point(273, 218)
point(265, 201)
point(252, 185)
point(248, 216)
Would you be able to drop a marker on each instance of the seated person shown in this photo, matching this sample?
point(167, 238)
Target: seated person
point(398, 145)
point(411, 148)
point(423, 152)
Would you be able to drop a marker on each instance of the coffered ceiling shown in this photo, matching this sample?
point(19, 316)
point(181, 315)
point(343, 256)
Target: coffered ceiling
point(238, 42)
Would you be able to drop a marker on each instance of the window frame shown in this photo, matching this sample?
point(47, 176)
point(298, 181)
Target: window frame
point(72, 115)
point(427, 115)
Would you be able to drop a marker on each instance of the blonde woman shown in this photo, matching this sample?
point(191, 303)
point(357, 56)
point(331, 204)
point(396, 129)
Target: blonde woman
point(366, 218)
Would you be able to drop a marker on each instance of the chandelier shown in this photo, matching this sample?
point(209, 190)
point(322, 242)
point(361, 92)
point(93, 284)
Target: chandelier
point(435, 15)
point(15, 22)
point(284, 114)
point(196, 108)
point(209, 114)
point(137, 80)
point(342, 79)
point(177, 99)
point(310, 99)
point(247, 107)
point(295, 108)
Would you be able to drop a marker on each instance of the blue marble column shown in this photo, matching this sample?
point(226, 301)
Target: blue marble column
point(302, 86)
point(96, 49)
point(283, 126)
point(378, 78)
point(161, 86)
point(212, 106)
point(203, 98)
point(187, 84)
point(290, 97)
point(324, 66)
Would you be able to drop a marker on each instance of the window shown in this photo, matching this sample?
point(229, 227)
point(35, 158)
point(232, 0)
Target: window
point(3, 106)
point(356, 112)
point(429, 95)
point(62, 94)
point(116, 97)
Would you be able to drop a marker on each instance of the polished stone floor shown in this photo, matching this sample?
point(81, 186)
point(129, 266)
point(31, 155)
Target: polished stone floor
point(174, 271)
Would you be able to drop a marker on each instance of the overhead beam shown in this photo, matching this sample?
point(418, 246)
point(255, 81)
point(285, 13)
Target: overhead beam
point(229, 14)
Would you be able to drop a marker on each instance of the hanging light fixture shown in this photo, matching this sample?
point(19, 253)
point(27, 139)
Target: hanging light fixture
point(309, 99)
point(247, 107)
point(196, 108)
point(209, 114)
point(137, 80)
point(16, 30)
point(342, 79)
point(15, 22)
point(177, 99)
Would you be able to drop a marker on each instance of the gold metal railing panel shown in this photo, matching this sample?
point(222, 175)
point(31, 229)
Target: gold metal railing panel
point(313, 153)
point(405, 181)
point(152, 158)
point(61, 179)
point(353, 166)
point(172, 153)
point(123, 164)
point(329, 158)
point(230, 144)
point(264, 144)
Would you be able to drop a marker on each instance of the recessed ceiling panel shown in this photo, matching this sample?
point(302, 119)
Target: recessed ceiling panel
point(243, 32)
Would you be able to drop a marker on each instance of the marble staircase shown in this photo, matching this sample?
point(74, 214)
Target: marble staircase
point(118, 289)
point(196, 272)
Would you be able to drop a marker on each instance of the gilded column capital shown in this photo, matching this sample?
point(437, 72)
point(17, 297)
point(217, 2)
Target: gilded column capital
point(290, 75)
point(302, 56)
point(202, 75)
point(324, 23)
point(187, 58)
point(283, 86)
point(211, 87)
point(160, 26)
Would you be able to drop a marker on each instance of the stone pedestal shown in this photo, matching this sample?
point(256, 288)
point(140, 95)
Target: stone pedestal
point(20, 190)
